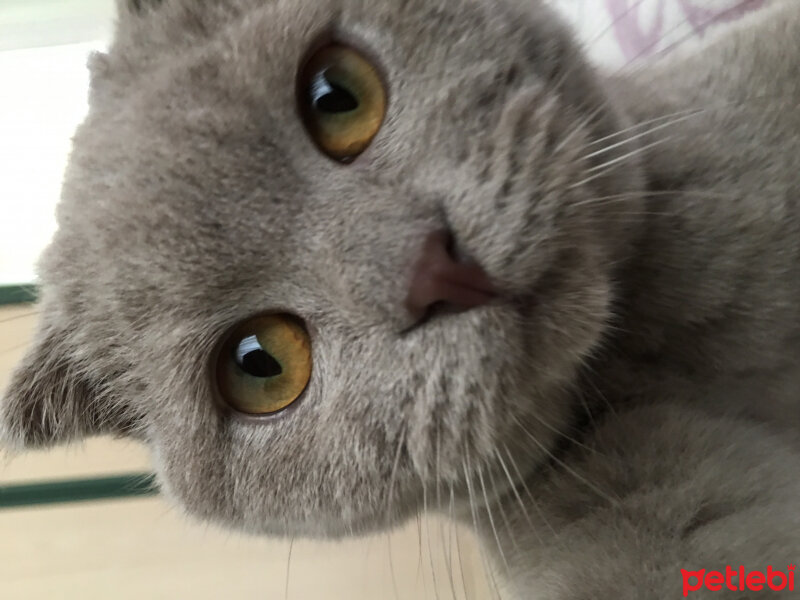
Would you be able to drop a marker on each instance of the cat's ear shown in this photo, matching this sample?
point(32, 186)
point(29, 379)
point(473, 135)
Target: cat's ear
point(147, 27)
point(51, 398)
point(137, 7)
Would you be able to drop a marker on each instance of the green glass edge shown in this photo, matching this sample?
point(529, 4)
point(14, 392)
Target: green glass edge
point(18, 294)
point(78, 490)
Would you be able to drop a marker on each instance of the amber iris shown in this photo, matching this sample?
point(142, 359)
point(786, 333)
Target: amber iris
point(265, 365)
point(342, 101)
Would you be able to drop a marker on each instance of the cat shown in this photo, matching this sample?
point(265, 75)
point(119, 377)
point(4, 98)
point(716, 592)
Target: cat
point(334, 261)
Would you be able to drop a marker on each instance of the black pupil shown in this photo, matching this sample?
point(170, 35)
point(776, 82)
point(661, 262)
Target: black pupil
point(255, 361)
point(329, 97)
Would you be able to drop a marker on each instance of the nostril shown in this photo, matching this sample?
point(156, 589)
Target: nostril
point(441, 281)
point(449, 245)
point(451, 248)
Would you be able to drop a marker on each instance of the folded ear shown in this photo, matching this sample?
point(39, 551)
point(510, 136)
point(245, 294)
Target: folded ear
point(51, 398)
point(136, 7)
point(146, 28)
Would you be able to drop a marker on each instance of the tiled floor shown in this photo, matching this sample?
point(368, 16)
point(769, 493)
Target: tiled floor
point(144, 548)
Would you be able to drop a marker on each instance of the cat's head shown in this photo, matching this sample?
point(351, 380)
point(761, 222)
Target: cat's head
point(204, 193)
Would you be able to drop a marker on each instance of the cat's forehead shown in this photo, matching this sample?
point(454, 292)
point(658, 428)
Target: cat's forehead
point(223, 109)
point(254, 52)
point(195, 168)
point(418, 30)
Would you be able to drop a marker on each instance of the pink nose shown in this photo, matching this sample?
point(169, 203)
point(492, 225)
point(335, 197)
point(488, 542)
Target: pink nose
point(440, 279)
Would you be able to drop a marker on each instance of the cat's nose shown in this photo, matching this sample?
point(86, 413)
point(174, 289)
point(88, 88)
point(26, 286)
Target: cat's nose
point(440, 279)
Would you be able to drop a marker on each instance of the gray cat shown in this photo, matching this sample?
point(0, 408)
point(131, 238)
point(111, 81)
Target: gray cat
point(334, 260)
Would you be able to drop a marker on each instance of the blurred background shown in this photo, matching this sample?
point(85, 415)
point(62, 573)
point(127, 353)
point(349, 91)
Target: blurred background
point(135, 545)
point(43, 50)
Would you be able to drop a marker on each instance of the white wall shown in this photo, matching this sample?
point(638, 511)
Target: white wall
point(43, 99)
point(44, 45)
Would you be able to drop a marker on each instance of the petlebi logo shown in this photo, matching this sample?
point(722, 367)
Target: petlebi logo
point(739, 580)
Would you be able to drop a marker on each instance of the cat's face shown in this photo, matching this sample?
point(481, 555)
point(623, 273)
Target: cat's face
point(196, 200)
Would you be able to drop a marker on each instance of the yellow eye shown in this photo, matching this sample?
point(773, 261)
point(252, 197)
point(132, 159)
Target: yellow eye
point(342, 101)
point(265, 365)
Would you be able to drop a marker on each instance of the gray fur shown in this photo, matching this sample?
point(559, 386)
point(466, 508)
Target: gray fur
point(654, 285)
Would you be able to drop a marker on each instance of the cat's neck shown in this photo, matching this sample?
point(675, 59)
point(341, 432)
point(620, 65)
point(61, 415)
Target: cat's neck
point(615, 519)
point(697, 380)
point(708, 301)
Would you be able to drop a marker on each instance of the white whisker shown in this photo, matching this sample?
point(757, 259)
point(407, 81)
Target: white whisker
point(288, 569)
point(605, 166)
point(447, 552)
point(604, 169)
point(389, 511)
point(458, 542)
point(486, 566)
point(514, 489)
point(428, 536)
point(637, 136)
point(491, 520)
point(611, 500)
point(528, 493)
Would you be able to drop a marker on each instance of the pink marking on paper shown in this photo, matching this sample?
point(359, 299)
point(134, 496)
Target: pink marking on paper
point(635, 42)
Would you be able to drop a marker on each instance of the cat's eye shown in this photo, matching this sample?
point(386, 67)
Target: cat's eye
point(265, 364)
point(342, 101)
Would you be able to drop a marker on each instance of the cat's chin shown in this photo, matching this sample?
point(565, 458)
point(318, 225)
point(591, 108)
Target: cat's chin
point(318, 526)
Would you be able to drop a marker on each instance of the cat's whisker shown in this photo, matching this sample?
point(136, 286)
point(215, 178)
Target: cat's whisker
point(502, 510)
point(633, 138)
point(449, 540)
point(691, 193)
point(454, 527)
point(514, 488)
point(428, 537)
point(7, 457)
point(392, 572)
point(576, 129)
point(702, 27)
point(605, 167)
point(20, 317)
point(530, 496)
point(646, 51)
point(753, 102)
point(583, 182)
point(614, 22)
point(447, 554)
point(288, 568)
point(555, 430)
point(476, 524)
point(609, 406)
point(630, 217)
point(586, 408)
point(420, 569)
point(656, 122)
point(492, 523)
point(16, 348)
point(616, 198)
point(610, 499)
point(390, 506)
point(580, 50)
point(665, 121)
point(602, 170)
